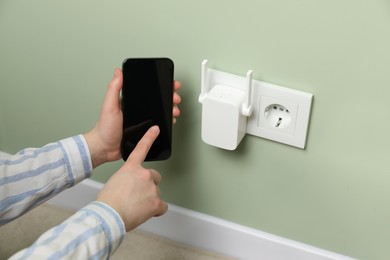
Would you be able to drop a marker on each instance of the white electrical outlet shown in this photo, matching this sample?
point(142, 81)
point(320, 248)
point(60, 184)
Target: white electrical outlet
point(280, 114)
point(270, 111)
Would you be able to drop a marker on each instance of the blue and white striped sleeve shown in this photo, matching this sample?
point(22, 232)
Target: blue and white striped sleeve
point(94, 232)
point(34, 175)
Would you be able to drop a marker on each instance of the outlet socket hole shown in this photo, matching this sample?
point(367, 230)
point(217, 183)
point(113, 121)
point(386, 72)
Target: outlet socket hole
point(277, 116)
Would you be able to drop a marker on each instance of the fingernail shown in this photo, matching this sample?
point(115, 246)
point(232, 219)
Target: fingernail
point(155, 128)
point(115, 72)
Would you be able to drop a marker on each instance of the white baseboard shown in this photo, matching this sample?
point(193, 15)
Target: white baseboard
point(207, 232)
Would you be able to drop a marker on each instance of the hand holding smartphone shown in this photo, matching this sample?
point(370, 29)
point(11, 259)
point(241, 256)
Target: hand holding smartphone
point(147, 100)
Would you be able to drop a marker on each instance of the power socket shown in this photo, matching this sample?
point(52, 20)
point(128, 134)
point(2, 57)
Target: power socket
point(268, 110)
point(280, 114)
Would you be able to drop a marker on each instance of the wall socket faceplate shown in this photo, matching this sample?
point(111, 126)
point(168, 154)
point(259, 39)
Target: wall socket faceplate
point(279, 114)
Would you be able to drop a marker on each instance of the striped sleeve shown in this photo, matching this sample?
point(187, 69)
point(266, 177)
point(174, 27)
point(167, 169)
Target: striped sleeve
point(34, 175)
point(94, 232)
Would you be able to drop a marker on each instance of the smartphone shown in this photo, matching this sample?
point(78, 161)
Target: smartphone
point(147, 100)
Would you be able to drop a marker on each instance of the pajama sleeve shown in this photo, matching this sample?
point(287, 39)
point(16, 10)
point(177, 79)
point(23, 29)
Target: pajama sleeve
point(94, 232)
point(35, 175)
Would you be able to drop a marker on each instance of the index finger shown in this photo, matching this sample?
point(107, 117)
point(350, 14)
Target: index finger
point(142, 148)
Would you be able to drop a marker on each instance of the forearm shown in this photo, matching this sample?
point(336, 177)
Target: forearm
point(34, 175)
point(94, 232)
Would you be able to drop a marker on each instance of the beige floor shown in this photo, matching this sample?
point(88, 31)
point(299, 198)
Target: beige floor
point(137, 244)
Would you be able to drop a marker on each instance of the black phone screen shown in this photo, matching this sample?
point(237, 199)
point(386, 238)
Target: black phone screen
point(147, 100)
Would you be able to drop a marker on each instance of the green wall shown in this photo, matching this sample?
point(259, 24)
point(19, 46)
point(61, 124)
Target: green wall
point(57, 57)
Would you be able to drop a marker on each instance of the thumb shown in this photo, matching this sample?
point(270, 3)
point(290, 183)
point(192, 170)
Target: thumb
point(112, 99)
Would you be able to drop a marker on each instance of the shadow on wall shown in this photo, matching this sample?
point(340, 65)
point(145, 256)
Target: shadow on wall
point(183, 131)
point(2, 130)
point(185, 155)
